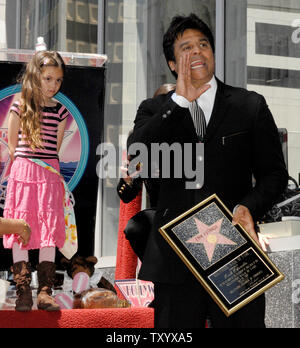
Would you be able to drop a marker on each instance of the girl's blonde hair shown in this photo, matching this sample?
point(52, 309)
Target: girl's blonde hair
point(31, 95)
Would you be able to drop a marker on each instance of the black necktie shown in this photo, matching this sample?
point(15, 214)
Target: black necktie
point(198, 119)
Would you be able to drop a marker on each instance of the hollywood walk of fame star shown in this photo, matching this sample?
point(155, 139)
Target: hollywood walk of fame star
point(210, 237)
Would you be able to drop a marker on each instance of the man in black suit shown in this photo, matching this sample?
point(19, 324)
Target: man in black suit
point(241, 143)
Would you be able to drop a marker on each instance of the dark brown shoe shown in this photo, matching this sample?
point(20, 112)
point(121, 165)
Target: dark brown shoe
point(46, 277)
point(22, 277)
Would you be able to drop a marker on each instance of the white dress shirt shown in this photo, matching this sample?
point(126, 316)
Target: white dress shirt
point(205, 101)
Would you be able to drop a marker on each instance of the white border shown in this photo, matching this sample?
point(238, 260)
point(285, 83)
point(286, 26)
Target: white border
point(271, 17)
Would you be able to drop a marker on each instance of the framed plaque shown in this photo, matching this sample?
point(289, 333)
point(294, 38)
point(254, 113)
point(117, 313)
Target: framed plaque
point(226, 260)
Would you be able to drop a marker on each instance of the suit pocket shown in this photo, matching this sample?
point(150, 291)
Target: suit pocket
point(236, 148)
point(234, 138)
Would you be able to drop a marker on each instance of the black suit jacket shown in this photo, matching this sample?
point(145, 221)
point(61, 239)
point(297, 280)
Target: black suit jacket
point(241, 142)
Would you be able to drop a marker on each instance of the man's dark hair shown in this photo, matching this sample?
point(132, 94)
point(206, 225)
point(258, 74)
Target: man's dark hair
point(178, 25)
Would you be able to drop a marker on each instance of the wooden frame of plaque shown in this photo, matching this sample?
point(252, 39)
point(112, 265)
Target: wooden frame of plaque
point(226, 260)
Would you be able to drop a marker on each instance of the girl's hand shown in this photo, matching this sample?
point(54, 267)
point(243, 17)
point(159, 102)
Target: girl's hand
point(24, 231)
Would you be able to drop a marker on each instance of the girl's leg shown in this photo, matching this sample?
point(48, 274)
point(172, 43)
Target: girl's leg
point(19, 254)
point(47, 254)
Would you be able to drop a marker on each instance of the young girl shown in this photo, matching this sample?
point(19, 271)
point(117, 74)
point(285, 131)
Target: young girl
point(35, 130)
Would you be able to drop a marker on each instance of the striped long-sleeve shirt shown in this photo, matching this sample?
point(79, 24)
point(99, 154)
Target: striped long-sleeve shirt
point(51, 117)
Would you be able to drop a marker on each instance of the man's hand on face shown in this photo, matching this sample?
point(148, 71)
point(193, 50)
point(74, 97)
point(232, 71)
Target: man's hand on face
point(184, 86)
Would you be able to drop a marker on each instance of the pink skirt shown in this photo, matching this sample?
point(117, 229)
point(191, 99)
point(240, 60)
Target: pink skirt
point(36, 195)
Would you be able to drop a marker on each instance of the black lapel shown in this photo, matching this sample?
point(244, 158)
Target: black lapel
point(219, 110)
